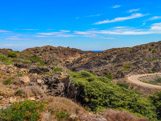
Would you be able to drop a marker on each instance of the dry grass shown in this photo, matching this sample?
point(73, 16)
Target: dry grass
point(64, 105)
point(33, 91)
point(6, 91)
point(112, 115)
point(3, 76)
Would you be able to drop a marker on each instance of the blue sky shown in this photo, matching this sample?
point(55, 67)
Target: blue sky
point(83, 24)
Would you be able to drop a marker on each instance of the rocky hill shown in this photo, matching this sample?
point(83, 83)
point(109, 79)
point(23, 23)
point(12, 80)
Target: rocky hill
point(61, 77)
point(119, 61)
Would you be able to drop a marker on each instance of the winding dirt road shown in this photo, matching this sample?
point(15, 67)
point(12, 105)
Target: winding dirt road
point(135, 80)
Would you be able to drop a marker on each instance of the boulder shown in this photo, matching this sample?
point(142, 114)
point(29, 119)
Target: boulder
point(24, 79)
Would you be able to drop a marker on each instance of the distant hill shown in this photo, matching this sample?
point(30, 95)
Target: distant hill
point(119, 61)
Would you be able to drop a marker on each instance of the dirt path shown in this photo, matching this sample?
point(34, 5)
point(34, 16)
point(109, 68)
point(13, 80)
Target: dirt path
point(134, 79)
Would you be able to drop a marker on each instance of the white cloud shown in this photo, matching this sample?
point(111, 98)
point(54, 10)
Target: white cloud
point(108, 38)
point(156, 27)
point(116, 6)
point(154, 18)
point(62, 33)
point(94, 15)
point(31, 29)
point(65, 30)
point(4, 31)
point(85, 34)
point(40, 36)
point(133, 16)
point(133, 10)
point(120, 27)
point(16, 38)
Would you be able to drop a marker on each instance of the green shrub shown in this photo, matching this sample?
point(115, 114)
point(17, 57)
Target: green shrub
point(8, 81)
point(85, 74)
point(110, 76)
point(127, 66)
point(154, 51)
point(47, 73)
point(156, 100)
point(158, 80)
point(12, 55)
point(101, 93)
point(5, 60)
point(62, 116)
point(22, 111)
point(57, 70)
point(123, 84)
point(19, 93)
point(19, 74)
point(150, 49)
point(152, 44)
point(34, 60)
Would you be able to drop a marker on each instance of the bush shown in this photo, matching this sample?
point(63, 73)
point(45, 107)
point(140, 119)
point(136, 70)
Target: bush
point(57, 70)
point(156, 100)
point(123, 84)
point(22, 111)
point(19, 93)
point(127, 66)
point(34, 60)
point(12, 55)
point(154, 51)
point(62, 116)
point(5, 60)
point(158, 80)
point(101, 93)
point(110, 76)
point(8, 81)
point(19, 74)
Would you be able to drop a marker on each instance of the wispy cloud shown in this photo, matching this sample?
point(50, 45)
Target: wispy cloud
point(133, 16)
point(4, 31)
point(61, 33)
point(152, 19)
point(94, 15)
point(116, 6)
point(65, 30)
point(40, 36)
point(133, 10)
point(85, 34)
point(28, 29)
point(17, 38)
point(154, 29)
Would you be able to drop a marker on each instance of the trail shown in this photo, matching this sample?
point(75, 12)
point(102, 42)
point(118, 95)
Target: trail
point(135, 80)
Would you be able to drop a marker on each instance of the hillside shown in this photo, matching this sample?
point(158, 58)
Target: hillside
point(120, 61)
point(70, 84)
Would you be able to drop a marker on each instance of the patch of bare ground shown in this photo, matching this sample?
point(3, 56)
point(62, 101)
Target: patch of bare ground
point(139, 86)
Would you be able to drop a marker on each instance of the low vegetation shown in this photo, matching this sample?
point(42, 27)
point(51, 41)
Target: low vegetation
point(123, 84)
point(5, 60)
point(100, 93)
point(12, 55)
point(155, 82)
point(156, 100)
point(57, 70)
point(27, 110)
point(8, 81)
point(127, 66)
